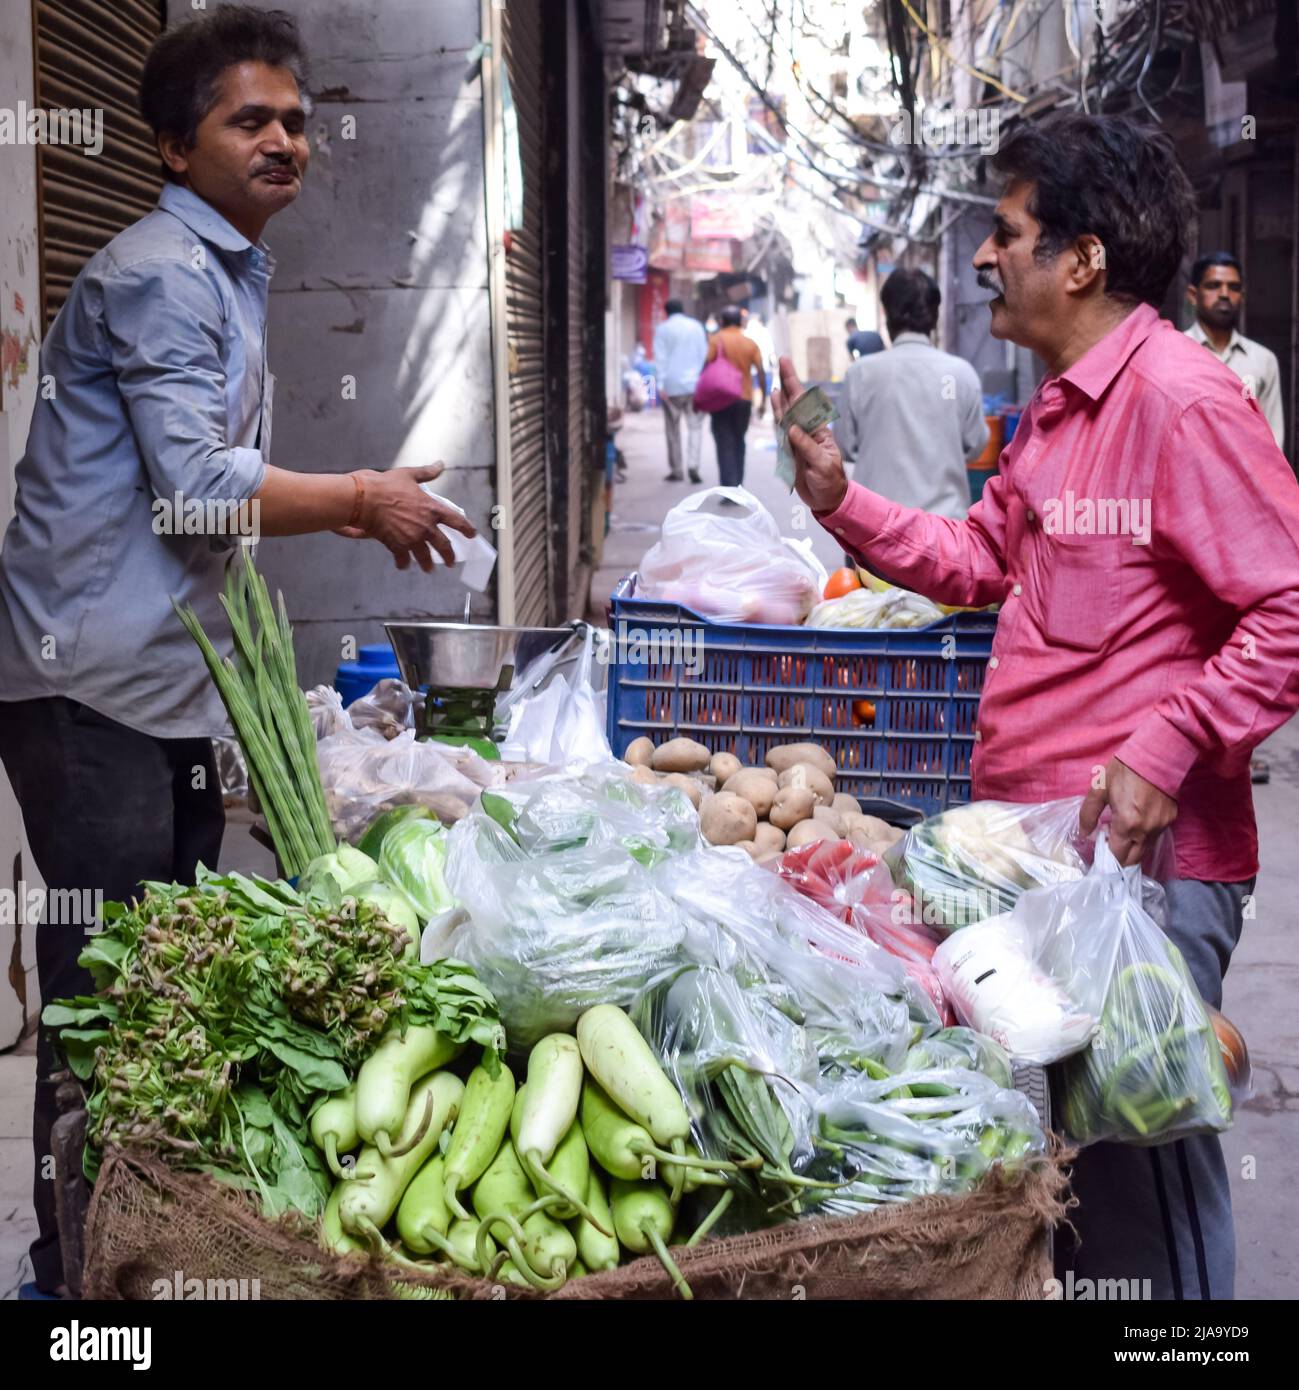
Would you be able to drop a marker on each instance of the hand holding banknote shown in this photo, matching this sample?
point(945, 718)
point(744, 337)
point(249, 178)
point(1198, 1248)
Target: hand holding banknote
point(819, 478)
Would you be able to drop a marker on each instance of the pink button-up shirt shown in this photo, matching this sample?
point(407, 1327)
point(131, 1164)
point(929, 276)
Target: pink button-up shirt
point(1143, 540)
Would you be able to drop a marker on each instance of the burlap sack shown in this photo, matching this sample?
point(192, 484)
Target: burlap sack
point(151, 1225)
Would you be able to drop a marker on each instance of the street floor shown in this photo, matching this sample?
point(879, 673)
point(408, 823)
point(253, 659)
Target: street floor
point(1261, 986)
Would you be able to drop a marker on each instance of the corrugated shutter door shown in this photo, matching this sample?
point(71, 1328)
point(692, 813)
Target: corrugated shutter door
point(89, 54)
point(578, 338)
point(525, 325)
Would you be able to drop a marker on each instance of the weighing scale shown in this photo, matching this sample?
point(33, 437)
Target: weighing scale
point(464, 668)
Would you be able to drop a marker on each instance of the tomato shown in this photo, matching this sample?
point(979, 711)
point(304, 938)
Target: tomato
point(863, 712)
point(841, 582)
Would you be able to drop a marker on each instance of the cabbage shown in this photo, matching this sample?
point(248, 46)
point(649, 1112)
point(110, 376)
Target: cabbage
point(345, 868)
point(413, 859)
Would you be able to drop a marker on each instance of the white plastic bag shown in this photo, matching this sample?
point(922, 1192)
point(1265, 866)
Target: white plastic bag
point(722, 554)
point(563, 723)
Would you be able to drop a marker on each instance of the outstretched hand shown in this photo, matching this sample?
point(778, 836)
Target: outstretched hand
point(819, 477)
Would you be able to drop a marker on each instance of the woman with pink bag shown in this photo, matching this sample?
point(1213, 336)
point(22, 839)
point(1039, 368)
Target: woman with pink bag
point(725, 391)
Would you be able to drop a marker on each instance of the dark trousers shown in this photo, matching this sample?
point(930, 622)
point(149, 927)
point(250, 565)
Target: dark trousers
point(1163, 1213)
point(729, 428)
point(104, 808)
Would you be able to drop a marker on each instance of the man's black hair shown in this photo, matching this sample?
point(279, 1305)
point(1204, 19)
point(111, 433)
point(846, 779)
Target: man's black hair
point(673, 306)
point(851, 325)
point(1201, 267)
point(182, 73)
point(730, 316)
point(1114, 179)
point(910, 299)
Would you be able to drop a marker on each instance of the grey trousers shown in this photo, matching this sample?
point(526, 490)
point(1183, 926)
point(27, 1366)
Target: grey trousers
point(1164, 1213)
point(676, 409)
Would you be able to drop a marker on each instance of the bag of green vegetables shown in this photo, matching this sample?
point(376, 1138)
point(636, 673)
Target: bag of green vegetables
point(1154, 1071)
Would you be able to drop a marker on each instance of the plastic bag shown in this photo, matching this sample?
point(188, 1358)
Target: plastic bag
point(972, 862)
point(325, 705)
point(871, 608)
point(364, 773)
point(854, 886)
point(388, 709)
point(935, 1130)
point(1154, 1071)
point(561, 912)
point(989, 973)
point(722, 554)
point(563, 723)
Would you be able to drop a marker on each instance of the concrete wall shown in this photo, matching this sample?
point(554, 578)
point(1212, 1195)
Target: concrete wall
point(20, 330)
point(381, 277)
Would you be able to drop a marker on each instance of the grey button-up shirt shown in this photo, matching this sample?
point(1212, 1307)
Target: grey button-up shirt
point(154, 392)
point(1257, 367)
point(909, 418)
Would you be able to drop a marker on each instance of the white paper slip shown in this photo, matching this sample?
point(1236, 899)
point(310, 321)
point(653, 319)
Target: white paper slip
point(475, 559)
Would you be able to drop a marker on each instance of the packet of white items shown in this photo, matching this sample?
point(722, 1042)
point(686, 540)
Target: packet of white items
point(988, 972)
point(474, 559)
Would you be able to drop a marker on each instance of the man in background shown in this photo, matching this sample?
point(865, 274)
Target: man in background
point(680, 345)
point(1216, 291)
point(861, 341)
point(731, 423)
point(912, 416)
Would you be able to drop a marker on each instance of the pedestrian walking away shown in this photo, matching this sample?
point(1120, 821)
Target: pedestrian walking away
point(1116, 670)
point(731, 424)
point(680, 349)
point(910, 418)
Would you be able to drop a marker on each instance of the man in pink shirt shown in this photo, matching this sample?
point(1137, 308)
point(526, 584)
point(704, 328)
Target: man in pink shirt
point(1143, 541)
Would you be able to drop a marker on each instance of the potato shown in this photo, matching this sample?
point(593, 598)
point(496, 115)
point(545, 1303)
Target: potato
point(646, 775)
point(687, 784)
point(874, 827)
point(768, 855)
point(867, 842)
point(769, 837)
point(640, 752)
point(681, 755)
point(787, 754)
point(792, 804)
point(768, 772)
point(827, 815)
point(727, 819)
point(806, 831)
point(756, 789)
point(846, 805)
point(750, 847)
point(805, 775)
point(724, 766)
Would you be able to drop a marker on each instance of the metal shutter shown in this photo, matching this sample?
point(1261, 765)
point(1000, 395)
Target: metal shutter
point(575, 455)
point(90, 53)
point(525, 325)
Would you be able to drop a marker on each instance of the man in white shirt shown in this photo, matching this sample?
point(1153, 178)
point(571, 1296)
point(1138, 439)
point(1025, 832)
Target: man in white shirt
point(1216, 291)
point(911, 417)
point(680, 346)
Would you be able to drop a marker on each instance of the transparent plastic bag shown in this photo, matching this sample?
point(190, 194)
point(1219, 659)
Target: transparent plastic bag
point(325, 705)
point(722, 554)
point(920, 1132)
point(363, 773)
point(388, 708)
point(561, 911)
point(562, 723)
point(1154, 1071)
point(972, 862)
point(853, 885)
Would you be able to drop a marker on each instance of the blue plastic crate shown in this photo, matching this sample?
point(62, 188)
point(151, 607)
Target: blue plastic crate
point(743, 688)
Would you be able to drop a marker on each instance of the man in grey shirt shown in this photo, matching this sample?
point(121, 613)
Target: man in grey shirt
point(145, 464)
point(909, 418)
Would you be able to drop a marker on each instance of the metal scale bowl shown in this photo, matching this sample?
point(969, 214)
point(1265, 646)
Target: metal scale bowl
point(464, 667)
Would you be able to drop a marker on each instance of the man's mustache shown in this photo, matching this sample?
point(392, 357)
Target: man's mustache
point(990, 280)
point(276, 166)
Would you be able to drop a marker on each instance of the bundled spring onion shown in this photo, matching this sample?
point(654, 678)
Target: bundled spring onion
point(270, 717)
